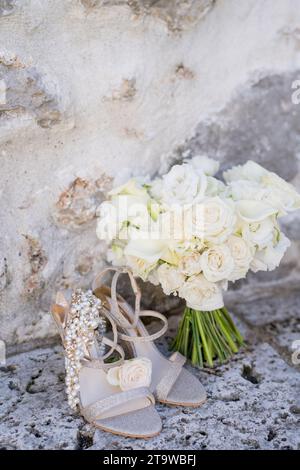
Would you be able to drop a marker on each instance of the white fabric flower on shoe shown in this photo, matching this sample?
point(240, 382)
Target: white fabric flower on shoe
point(131, 374)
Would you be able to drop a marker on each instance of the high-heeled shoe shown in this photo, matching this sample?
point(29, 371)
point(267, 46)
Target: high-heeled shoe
point(125, 408)
point(171, 382)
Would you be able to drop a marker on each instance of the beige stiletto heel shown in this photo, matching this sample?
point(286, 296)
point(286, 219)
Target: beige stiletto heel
point(123, 408)
point(171, 383)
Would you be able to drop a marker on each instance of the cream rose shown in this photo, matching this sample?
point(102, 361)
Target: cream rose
point(182, 185)
point(131, 374)
point(190, 264)
point(217, 263)
point(242, 254)
point(200, 294)
point(170, 278)
point(214, 220)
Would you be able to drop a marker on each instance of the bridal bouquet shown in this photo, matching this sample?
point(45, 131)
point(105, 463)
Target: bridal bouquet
point(193, 234)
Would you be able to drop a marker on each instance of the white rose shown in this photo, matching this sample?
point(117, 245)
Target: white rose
point(190, 264)
point(282, 194)
point(131, 374)
point(269, 258)
point(274, 190)
point(200, 294)
point(170, 278)
point(201, 163)
point(214, 220)
point(242, 254)
point(177, 248)
point(182, 185)
point(251, 171)
point(243, 189)
point(217, 263)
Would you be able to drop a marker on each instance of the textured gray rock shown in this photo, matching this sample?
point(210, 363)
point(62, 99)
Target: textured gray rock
point(176, 14)
point(26, 94)
point(95, 91)
point(265, 311)
point(7, 7)
point(252, 404)
point(260, 122)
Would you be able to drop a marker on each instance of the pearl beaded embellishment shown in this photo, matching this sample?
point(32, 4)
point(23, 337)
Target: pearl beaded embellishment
point(84, 326)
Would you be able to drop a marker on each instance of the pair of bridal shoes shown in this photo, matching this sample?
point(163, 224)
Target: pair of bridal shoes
point(114, 391)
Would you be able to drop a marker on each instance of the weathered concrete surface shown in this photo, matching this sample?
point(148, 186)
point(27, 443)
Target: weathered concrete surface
point(253, 402)
point(94, 91)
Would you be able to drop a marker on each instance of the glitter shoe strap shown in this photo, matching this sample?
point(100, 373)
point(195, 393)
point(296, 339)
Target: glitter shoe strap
point(116, 313)
point(166, 383)
point(105, 408)
point(147, 337)
point(122, 321)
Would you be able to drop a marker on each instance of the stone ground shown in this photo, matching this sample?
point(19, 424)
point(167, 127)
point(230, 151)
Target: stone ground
point(253, 401)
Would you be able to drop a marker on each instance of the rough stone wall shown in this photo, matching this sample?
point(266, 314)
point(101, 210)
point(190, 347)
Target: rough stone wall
point(93, 91)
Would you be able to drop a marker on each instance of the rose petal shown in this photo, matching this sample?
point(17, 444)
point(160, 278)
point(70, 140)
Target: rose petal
point(113, 376)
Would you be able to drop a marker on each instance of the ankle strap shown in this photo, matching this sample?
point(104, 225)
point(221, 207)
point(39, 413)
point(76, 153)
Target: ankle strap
point(116, 312)
point(146, 337)
point(122, 322)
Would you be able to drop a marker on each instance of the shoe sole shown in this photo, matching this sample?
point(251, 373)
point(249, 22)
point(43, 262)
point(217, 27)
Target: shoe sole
point(187, 405)
point(119, 433)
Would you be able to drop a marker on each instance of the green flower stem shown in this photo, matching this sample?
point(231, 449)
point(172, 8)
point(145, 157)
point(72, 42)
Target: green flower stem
point(237, 334)
point(205, 337)
point(207, 353)
point(197, 357)
point(226, 332)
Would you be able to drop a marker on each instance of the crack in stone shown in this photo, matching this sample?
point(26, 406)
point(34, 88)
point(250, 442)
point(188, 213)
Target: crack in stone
point(85, 438)
point(31, 383)
point(248, 373)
